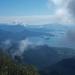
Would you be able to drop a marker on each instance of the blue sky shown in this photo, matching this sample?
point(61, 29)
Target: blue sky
point(24, 7)
point(37, 11)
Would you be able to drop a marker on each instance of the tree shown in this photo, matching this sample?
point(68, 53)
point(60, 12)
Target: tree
point(8, 67)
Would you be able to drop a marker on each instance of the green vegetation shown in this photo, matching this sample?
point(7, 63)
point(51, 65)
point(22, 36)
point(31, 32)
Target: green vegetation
point(8, 67)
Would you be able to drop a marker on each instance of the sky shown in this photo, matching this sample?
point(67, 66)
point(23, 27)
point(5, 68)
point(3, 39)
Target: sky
point(23, 7)
point(37, 11)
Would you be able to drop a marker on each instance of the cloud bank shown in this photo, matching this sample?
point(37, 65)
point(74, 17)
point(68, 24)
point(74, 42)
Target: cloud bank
point(65, 10)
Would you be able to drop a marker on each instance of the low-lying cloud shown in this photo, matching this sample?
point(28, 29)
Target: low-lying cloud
point(23, 45)
point(19, 47)
point(15, 47)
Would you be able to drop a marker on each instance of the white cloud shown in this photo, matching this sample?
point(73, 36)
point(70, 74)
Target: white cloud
point(58, 2)
point(66, 6)
point(23, 45)
point(60, 7)
point(65, 10)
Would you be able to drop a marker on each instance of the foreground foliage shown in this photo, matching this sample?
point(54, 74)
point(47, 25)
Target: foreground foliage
point(8, 67)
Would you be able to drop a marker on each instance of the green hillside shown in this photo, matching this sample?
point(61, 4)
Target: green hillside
point(9, 67)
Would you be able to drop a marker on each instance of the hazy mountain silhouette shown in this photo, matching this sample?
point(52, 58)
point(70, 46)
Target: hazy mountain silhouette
point(64, 67)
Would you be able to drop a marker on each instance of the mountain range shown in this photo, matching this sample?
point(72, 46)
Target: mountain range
point(39, 46)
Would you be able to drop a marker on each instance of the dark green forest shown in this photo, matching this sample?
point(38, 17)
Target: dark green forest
point(9, 67)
